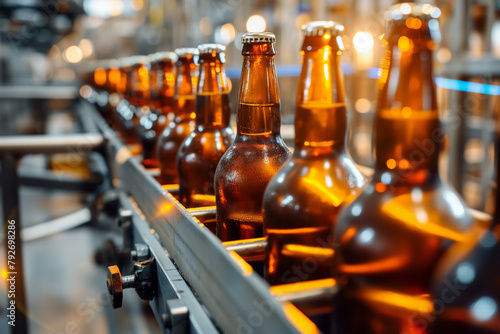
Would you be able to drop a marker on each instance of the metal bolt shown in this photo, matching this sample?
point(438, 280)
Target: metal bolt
point(124, 216)
point(140, 252)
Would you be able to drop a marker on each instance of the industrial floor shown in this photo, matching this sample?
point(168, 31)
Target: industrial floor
point(66, 290)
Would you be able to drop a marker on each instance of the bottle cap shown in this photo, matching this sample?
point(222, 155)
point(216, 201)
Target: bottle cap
point(318, 28)
point(183, 52)
point(211, 47)
point(406, 10)
point(161, 56)
point(141, 60)
point(258, 37)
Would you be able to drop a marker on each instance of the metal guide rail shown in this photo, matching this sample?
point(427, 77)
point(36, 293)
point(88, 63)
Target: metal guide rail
point(226, 294)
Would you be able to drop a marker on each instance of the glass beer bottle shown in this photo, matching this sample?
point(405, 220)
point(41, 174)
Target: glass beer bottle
point(126, 107)
point(388, 240)
point(200, 153)
point(258, 150)
point(184, 110)
point(154, 120)
point(466, 283)
point(302, 201)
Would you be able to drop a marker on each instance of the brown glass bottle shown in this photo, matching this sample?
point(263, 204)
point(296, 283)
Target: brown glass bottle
point(258, 150)
point(302, 201)
point(155, 118)
point(133, 98)
point(184, 110)
point(200, 153)
point(388, 240)
point(467, 280)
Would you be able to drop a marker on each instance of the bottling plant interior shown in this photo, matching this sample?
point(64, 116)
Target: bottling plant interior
point(230, 166)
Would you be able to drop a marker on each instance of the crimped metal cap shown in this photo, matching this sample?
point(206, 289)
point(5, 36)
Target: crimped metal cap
point(211, 47)
point(141, 60)
point(183, 52)
point(258, 37)
point(405, 10)
point(165, 55)
point(319, 28)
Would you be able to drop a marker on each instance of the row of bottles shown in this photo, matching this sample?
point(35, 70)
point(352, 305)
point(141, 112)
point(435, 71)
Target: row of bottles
point(395, 243)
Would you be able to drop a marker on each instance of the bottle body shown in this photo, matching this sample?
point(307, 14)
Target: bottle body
point(241, 178)
point(258, 151)
point(303, 199)
point(184, 109)
point(389, 239)
point(200, 153)
point(155, 120)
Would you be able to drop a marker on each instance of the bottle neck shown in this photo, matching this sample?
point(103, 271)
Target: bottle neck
point(167, 89)
point(185, 90)
point(212, 97)
point(140, 86)
point(259, 101)
point(408, 134)
point(320, 114)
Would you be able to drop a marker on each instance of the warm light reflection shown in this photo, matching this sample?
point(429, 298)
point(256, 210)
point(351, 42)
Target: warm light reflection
point(4, 273)
point(391, 163)
point(325, 192)
point(299, 320)
point(419, 303)
point(227, 33)
point(86, 46)
point(362, 41)
point(303, 286)
point(256, 23)
point(406, 112)
point(73, 54)
point(116, 7)
point(404, 44)
point(402, 209)
point(405, 8)
point(244, 266)
point(413, 23)
point(302, 251)
point(205, 25)
point(380, 187)
point(85, 91)
point(388, 264)
point(137, 5)
point(100, 76)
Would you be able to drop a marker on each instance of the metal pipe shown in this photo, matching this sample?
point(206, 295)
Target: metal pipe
point(203, 212)
point(311, 297)
point(248, 249)
point(34, 144)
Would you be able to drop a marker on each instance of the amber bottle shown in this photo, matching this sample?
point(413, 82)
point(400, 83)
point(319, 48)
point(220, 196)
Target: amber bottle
point(467, 281)
point(388, 240)
point(184, 110)
point(155, 118)
point(302, 201)
point(258, 150)
point(200, 153)
point(135, 85)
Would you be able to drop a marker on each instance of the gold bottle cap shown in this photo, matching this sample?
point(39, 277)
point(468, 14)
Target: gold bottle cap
point(183, 52)
point(258, 37)
point(211, 47)
point(406, 10)
point(319, 28)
